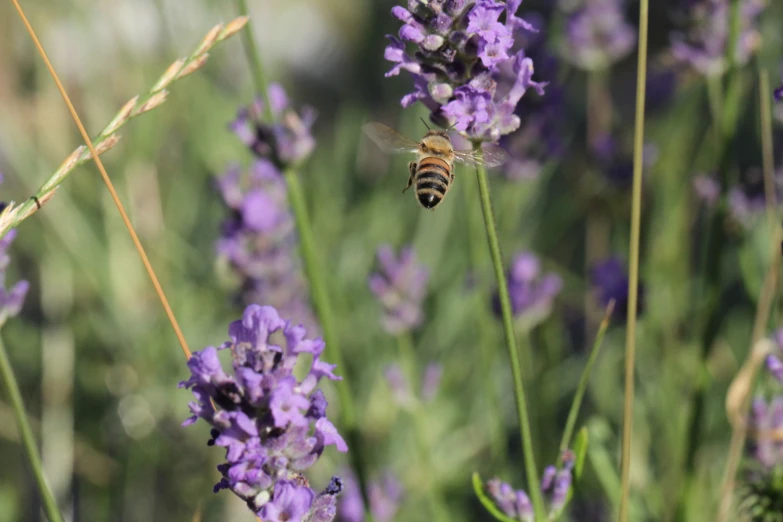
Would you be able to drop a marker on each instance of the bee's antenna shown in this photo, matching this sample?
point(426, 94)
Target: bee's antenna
point(451, 127)
point(425, 123)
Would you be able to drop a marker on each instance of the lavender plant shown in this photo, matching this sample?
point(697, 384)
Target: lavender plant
point(272, 425)
point(11, 302)
point(464, 55)
point(555, 484)
point(705, 44)
point(400, 287)
point(597, 34)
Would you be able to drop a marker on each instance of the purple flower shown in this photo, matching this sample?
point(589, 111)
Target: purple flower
point(541, 131)
point(747, 200)
point(610, 282)
point(467, 64)
point(766, 422)
point(11, 300)
point(532, 292)
point(258, 240)
point(597, 34)
point(707, 189)
point(400, 286)
point(272, 425)
point(616, 164)
point(430, 383)
point(775, 360)
point(290, 503)
point(384, 495)
point(704, 44)
point(555, 484)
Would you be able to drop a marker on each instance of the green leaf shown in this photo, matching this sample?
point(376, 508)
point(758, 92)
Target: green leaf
point(580, 389)
point(580, 452)
point(478, 487)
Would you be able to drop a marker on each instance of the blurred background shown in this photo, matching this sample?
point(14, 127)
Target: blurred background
point(98, 362)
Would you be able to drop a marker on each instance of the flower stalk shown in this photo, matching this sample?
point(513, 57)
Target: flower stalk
point(511, 340)
point(408, 362)
point(254, 57)
point(8, 381)
point(13, 215)
point(633, 259)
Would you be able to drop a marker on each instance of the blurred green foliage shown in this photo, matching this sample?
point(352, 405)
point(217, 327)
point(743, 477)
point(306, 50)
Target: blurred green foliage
point(99, 364)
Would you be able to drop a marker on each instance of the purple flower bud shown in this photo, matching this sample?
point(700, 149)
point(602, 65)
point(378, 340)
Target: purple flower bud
point(11, 301)
point(289, 503)
point(747, 200)
point(385, 496)
point(431, 381)
point(610, 281)
point(707, 189)
point(324, 508)
point(399, 385)
point(532, 293)
point(400, 286)
point(560, 490)
point(765, 423)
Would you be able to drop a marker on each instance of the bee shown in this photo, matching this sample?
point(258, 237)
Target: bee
point(433, 170)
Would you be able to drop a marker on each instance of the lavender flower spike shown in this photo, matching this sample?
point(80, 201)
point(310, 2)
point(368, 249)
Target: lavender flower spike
point(705, 44)
point(555, 484)
point(610, 282)
point(400, 286)
point(467, 65)
point(532, 293)
point(384, 497)
point(258, 241)
point(597, 34)
point(272, 425)
point(286, 142)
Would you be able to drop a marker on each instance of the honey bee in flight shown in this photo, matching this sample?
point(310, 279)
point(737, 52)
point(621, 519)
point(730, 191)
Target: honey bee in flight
point(433, 171)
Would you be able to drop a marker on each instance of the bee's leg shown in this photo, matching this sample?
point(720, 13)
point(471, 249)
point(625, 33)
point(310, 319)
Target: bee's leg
point(412, 169)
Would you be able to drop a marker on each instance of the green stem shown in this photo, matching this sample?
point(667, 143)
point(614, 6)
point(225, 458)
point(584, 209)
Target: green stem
point(511, 341)
point(580, 389)
point(254, 58)
point(320, 297)
point(633, 272)
point(497, 445)
point(408, 362)
point(26, 434)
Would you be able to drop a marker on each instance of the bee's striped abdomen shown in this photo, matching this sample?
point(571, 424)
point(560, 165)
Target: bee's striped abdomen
point(433, 178)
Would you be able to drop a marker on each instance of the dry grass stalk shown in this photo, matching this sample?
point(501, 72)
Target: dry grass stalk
point(15, 213)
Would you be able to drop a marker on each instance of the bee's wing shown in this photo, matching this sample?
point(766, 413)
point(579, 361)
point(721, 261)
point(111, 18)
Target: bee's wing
point(388, 139)
point(490, 156)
